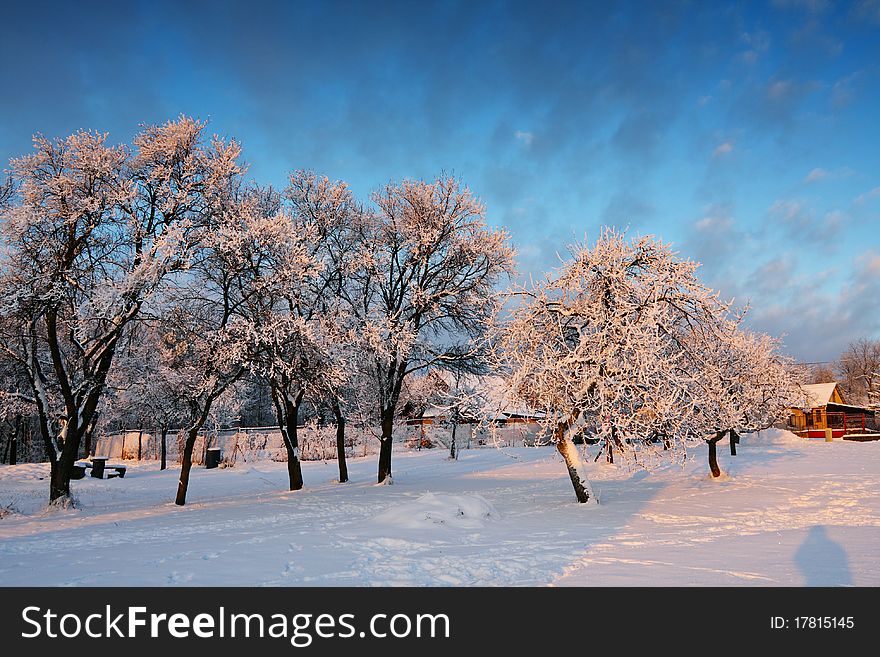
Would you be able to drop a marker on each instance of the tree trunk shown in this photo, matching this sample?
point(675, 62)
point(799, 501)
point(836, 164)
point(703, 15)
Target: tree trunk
point(62, 469)
point(140, 443)
point(59, 478)
point(186, 464)
point(59, 484)
point(87, 437)
point(13, 444)
point(385, 445)
point(575, 464)
point(713, 455)
point(287, 412)
point(340, 442)
point(294, 467)
point(734, 439)
point(453, 453)
point(163, 447)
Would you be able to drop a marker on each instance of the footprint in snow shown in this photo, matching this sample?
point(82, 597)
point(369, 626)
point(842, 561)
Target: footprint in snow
point(178, 578)
point(291, 568)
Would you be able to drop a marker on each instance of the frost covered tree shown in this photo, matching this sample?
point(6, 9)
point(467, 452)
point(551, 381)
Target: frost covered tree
point(293, 256)
point(89, 235)
point(422, 285)
point(219, 319)
point(859, 370)
point(274, 266)
point(328, 211)
point(601, 347)
point(744, 385)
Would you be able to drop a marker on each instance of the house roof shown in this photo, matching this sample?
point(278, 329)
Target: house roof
point(818, 394)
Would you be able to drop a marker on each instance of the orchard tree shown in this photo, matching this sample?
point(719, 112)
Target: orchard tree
point(220, 319)
point(601, 348)
point(271, 263)
point(422, 287)
point(859, 369)
point(328, 211)
point(89, 235)
point(291, 318)
point(745, 385)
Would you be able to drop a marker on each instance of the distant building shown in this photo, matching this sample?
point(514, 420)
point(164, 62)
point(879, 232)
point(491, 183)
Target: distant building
point(824, 407)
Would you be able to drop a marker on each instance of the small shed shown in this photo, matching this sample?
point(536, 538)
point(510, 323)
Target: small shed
point(824, 407)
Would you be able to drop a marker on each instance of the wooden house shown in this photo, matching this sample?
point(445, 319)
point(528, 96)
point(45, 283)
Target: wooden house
point(824, 407)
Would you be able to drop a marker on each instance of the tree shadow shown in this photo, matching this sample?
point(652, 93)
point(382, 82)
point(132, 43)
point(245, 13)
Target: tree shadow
point(823, 561)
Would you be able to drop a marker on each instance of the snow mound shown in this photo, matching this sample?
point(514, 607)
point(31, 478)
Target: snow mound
point(440, 510)
point(774, 436)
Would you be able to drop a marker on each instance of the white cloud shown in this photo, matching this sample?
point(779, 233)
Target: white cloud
point(815, 175)
point(723, 149)
point(525, 137)
point(803, 222)
point(819, 173)
point(869, 263)
point(779, 90)
point(861, 199)
point(789, 211)
point(707, 224)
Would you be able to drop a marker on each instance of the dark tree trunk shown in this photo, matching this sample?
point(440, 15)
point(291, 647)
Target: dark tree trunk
point(87, 438)
point(453, 452)
point(163, 449)
point(294, 466)
point(59, 478)
point(713, 455)
point(140, 443)
point(186, 464)
point(287, 412)
point(340, 442)
point(734, 439)
point(385, 445)
point(13, 444)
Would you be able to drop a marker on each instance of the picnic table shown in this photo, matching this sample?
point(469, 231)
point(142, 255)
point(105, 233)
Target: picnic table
point(99, 468)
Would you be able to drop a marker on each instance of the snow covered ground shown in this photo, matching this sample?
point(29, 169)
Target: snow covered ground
point(787, 512)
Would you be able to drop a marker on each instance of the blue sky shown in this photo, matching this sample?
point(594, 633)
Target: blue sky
point(745, 133)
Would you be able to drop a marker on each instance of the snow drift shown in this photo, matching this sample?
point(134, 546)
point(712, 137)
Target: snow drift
point(439, 509)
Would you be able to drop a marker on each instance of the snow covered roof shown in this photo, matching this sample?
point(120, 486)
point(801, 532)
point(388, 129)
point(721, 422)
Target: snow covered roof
point(818, 394)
